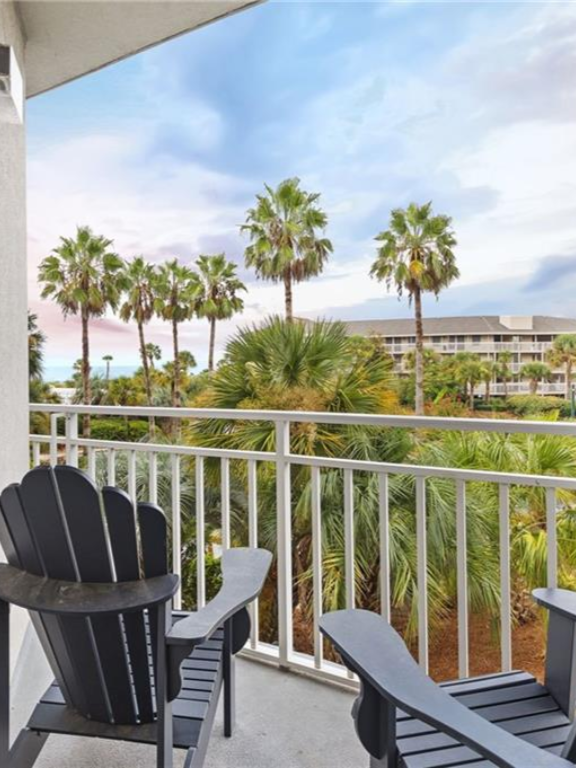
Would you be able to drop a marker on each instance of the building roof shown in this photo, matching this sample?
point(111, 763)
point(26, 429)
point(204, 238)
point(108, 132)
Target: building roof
point(463, 326)
point(66, 39)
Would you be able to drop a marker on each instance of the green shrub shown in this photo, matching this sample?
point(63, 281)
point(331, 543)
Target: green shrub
point(532, 405)
point(119, 429)
point(495, 405)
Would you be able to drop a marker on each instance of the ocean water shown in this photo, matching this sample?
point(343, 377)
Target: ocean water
point(64, 372)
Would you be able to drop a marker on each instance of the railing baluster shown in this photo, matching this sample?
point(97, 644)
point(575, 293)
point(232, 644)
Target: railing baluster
point(176, 527)
point(153, 477)
point(53, 439)
point(132, 476)
point(225, 501)
point(35, 454)
point(552, 539)
point(349, 559)
point(284, 533)
point(200, 535)
point(316, 508)
point(349, 547)
point(253, 541)
point(462, 579)
point(71, 427)
point(384, 516)
point(422, 575)
point(505, 592)
point(111, 466)
point(91, 456)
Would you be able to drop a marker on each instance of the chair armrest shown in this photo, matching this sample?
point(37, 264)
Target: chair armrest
point(70, 598)
point(375, 651)
point(561, 601)
point(244, 572)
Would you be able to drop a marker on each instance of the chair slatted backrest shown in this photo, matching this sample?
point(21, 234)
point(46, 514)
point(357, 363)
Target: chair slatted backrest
point(56, 524)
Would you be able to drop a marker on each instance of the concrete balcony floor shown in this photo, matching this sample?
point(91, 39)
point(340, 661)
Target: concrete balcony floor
point(283, 721)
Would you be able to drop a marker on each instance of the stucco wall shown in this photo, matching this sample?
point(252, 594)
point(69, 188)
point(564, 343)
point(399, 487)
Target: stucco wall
point(13, 291)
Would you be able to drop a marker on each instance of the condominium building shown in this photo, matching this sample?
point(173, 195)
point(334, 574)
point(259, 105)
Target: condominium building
point(528, 338)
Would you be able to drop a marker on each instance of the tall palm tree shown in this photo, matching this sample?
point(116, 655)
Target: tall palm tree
point(107, 359)
point(139, 305)
point(416, 256)
point(286, 230)
point(563, 353)
point(83, 276)
point(219, 299)
point(504, 359)
point(153, 354)
point(176, 292)
point(36, 341)
point(535, 373)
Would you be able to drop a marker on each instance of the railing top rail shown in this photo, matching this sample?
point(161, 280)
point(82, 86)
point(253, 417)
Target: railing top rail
point(511, 426)
point(323, 462)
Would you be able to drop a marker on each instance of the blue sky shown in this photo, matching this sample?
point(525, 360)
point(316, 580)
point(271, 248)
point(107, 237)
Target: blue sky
point(469, 104)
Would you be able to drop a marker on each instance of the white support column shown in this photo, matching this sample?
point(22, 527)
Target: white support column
point(14, 450)
point(14, 422)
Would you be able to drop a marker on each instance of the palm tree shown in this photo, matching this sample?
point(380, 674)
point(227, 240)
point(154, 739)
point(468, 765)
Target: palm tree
point(504, 359)
point(490, 369)
point(286, 232)
point(176, 292)
point(82, 275)
point(139, 305)
point(286, 366)
point(535, 373)
point(219, 299)
point(563, 352)
point(107, 359)
point(153, 354)
point(468, 371)
point(417, 256)
point(36, 341)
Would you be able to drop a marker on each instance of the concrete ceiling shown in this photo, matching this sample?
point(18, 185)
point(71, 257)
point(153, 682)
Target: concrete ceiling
point(66, 39)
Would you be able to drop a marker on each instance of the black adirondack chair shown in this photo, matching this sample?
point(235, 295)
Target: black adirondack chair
point(92, 570)
point(509, 720)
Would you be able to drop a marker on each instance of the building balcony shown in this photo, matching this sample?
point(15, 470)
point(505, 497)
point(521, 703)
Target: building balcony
point(475, 347)
point(216, 494)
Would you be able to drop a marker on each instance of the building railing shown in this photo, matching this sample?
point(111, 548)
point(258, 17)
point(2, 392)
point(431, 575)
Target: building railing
point(523, 388)
point(54, 447)
point(471, 346)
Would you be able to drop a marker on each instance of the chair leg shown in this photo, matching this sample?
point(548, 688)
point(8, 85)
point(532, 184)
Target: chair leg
point(4, 683)
point(26, 749)
point(165, 743)
point(229, 680)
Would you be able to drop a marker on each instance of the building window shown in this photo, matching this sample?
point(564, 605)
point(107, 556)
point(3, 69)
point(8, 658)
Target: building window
point(436, 339)
point(476, 339)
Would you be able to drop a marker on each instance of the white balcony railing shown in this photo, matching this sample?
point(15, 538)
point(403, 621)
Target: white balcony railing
point(523, 388)
point(478, 347)
point(53, 447)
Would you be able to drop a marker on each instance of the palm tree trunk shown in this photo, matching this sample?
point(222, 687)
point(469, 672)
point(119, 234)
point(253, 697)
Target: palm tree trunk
point(146, 370)
point(86, 384)
point(505, 377)
point(487, 392)
point(176, 402)
point(212, 343)
point(419, 353)
point(471, 402)
point(568, 379)
point(288, 295)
